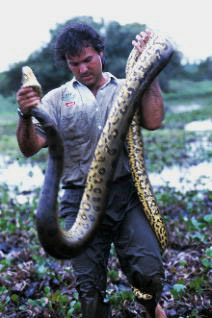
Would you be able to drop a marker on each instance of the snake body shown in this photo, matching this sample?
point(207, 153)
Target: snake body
point(141, 69)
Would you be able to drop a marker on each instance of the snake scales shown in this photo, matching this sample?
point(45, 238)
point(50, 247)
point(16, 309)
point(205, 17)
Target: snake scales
point(141, 69)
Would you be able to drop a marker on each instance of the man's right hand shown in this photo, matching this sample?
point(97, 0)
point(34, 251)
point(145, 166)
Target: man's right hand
point(27, 98)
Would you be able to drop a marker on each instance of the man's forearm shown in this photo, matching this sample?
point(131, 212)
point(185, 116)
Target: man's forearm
point(152, 107)
point(28, 140)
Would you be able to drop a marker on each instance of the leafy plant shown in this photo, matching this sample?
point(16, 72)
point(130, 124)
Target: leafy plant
point(178, 290)
point(118, 298)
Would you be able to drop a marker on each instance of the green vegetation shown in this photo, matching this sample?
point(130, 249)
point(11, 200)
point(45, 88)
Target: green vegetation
point(42, 286)
point(8, 122)
point(172, 144)
point(186, 88)
point(8, 125)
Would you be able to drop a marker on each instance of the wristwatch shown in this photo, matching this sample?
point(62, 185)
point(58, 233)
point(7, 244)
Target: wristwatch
point(22, 115)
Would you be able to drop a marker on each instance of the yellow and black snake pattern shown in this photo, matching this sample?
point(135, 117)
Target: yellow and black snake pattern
point(141, 69)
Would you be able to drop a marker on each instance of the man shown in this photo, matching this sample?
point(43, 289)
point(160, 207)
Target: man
point(80, 109)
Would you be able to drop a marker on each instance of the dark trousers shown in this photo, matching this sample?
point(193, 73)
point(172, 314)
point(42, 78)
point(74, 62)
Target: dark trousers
point(125, 225)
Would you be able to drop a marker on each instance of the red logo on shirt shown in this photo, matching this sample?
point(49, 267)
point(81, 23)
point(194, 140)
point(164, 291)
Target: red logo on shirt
point(70, 104)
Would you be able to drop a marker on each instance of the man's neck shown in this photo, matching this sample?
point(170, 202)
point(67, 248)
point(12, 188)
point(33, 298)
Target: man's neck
point(100, 83)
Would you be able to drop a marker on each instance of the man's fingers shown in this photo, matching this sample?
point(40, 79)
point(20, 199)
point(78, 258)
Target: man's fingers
point(140, 40)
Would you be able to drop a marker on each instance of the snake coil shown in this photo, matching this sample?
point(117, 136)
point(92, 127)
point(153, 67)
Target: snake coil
point(141, 69)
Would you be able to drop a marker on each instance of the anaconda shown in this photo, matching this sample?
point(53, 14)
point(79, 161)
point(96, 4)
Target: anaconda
point(141, 69)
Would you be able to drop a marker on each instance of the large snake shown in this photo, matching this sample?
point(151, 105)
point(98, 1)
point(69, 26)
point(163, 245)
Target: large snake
point(141, 69)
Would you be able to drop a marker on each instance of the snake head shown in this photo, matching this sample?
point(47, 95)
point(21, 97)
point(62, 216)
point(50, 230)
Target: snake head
point(29, 80)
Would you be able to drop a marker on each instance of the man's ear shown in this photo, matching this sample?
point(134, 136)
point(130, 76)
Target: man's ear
point(102, 59)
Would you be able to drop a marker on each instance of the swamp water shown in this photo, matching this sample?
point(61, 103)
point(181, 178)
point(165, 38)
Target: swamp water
point(194, 177)
point(27, 177)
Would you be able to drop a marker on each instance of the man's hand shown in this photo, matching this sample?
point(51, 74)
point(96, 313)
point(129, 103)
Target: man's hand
point(151, 104)
point(27, 98)
point(140, 40)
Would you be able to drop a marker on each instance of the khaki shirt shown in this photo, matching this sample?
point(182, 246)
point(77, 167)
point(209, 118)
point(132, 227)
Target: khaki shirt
point(80, 117)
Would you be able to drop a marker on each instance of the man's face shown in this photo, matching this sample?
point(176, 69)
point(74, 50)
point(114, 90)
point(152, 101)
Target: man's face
point(86, 67)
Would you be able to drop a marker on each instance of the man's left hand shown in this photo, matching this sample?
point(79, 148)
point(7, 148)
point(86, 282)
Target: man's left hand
point(141, 39)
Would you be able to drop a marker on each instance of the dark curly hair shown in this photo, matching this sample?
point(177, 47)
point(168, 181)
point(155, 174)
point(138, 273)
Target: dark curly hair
point(74, 37)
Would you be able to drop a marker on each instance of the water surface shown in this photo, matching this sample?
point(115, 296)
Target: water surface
point(27, 177)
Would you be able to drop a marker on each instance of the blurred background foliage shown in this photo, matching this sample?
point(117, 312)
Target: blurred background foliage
point(118, 45)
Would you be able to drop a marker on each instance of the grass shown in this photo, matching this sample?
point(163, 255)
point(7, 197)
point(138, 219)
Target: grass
point(202, 113)
point(187, 89)
point(8, 125)
point(8, 122)
point(171, 144)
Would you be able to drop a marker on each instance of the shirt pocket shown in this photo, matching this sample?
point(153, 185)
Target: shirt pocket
point(75, 124)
